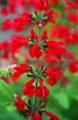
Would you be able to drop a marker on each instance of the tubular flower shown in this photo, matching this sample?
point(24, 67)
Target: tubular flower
point(21, 22)
point(18, 41)
point(36, 116)
point(73, 67)
point(73, 17)
point(19, 69)
point(42, 91)
point(51, 115)
point(35, 51)
point(29, 89)
point(20, 103)
point(40, 4)
point(73, 38)
point(55, 74)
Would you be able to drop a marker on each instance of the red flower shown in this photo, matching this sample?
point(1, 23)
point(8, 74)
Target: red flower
point(4, 48)
point(44, 35)
point(50, 58)
point(52, 15)
point(54, 70)
point(29, 89)
point(40, 4)
point(15, 76)
point(51, 115)
point(20, 69)
point(58, 50)
point(73, 38)
point(75, 4)
point(73, 67)
point(13, 5)
point(35, 51)
point(42, 91)
point(33, 34)
point(54, 74)
point(18, 41)
point(21, 22)
point(20, 104)
point(60, 31)
point(52, 81)
point(73, 17)
point(71, 4)
point(23, 2)
point(54, 2)
point(4, 11)
point(36, 116)
point(6, 25)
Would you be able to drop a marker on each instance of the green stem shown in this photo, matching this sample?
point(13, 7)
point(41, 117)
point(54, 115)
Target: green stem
point(35, 101)
point(36, 80)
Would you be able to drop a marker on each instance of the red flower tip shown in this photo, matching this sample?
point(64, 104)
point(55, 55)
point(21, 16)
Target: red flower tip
point(52, 116)
point(36, 116)
point(35, 51)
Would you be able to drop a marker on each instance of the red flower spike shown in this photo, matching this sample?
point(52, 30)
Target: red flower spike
point(55, 56)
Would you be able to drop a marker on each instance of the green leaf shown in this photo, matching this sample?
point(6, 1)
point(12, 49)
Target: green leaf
point(8, 115)
point(6, 94)
point(3, 72)
point(62, 99)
